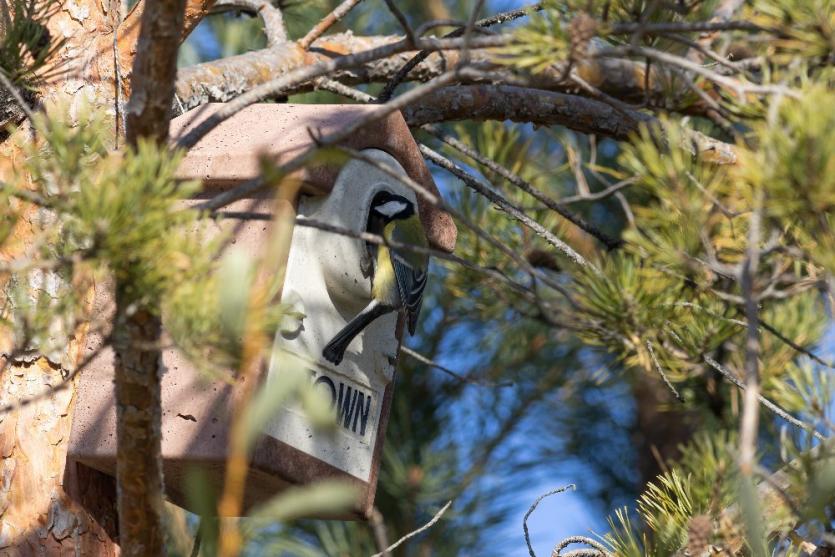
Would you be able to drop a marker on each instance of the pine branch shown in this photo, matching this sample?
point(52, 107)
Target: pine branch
point(138, 428)
point(504, 205)
point(516, 180)
point(523, 104)
point(223, 80)
point(729, 375)
point(155, 71)
point(308, 73)
point(379, 240)
point(138, 327)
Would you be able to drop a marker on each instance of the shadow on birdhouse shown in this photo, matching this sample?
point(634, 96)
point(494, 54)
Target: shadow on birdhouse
point(327, 279)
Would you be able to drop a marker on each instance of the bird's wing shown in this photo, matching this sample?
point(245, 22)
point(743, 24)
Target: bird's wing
point(410, 285)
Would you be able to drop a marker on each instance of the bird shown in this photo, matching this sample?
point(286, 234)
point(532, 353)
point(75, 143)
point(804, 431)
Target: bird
point(399, 275)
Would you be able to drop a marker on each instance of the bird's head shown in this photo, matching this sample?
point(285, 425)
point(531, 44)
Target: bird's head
point(391, 206)
point(385, 208)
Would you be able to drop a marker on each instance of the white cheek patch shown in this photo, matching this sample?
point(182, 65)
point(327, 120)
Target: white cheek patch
point(391, 208)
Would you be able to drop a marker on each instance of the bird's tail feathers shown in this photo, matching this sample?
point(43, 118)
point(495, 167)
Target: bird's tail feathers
point(335, 349)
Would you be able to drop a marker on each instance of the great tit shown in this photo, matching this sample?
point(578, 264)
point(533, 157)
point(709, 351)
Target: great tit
point(399, 275)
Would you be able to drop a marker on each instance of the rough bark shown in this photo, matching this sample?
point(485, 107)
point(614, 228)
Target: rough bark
point(130, 28)
point(154, 71)
point(138, 329)
point(138, 429)
point(10, 111)
point(547, 100)
point(521, 104)
point(41, 511)
point(221, 80)
point(47, 505)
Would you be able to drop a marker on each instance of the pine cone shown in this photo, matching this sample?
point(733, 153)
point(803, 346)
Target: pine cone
point(699, 534)
point(541, 258)
point(581, 30)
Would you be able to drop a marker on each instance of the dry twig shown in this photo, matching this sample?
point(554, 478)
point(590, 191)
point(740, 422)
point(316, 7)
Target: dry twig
point(527, 187)
point(404, 71)
point(504, 205)
point(414, 533)
point(597, 549)
point(463, 378)
point(378, 528)
point(327, 22)
point(532, 508)
point(729, 375)
point(661, 372)
point(270, 15)
point(411, 36)
point(749, 422)
point(740, 89)
point(379, 240)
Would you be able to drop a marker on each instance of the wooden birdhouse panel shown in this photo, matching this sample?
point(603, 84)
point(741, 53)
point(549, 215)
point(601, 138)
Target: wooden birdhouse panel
point(325, 280)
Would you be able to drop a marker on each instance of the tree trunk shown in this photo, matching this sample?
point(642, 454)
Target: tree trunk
point(661, 427)
point(40, 498)
point(138, 422)
point(47, 506)
point(137, 333)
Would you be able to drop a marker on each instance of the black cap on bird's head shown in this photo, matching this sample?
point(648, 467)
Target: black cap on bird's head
point(391, 206)
point(385, 208)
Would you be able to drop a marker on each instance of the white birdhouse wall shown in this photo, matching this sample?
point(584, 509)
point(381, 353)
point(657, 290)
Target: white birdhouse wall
point(326, 283)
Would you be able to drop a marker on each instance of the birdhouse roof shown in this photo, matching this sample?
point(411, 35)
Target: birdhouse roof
point(232, 152)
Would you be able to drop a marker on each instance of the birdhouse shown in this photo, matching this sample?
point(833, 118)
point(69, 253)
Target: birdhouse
point(326, 280)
